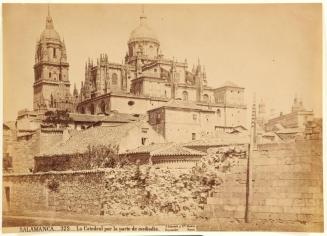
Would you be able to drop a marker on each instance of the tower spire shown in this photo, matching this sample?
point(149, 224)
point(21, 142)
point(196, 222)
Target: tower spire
point(143, 16)
point(49, 22)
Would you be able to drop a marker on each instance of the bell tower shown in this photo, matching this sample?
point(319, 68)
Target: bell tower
point(51, 82)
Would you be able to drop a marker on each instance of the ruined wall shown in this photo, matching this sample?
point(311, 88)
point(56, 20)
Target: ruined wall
point(78, 191)
point(287, 182)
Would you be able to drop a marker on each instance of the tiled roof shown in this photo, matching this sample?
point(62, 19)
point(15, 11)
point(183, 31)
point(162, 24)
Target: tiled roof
point(166, 149)
point(112, 117)
point(269, 134)
point(22, 134)
point(290, 131)
point(176, 150)
point(103, 135)
point(65, 172)
point(10, 124)
point(223, 139)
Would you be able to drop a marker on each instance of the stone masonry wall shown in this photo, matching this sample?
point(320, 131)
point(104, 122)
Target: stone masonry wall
point(228, 200)
point(49, 139)
point(78, 192)
point(287, 183)
point(286, 186)
point(24, 150)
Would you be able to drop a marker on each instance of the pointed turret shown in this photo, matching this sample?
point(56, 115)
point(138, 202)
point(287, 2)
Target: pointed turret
point(75, 92)
point(49, 22)
point(198, 68)
point(50, 33)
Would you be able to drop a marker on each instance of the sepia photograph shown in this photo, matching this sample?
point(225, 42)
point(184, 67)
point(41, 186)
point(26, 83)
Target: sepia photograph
point(162, 117)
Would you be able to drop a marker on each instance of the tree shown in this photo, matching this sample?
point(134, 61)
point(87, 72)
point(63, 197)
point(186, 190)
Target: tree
point(58, 118)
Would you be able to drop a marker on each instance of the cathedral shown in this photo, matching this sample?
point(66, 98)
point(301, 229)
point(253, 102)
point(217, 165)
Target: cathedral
point(146, 80)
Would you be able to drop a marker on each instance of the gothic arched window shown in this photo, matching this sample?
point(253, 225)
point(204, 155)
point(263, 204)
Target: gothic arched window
point(114, 79)
point(103, 107)
point(92, 110)
point(185, 96)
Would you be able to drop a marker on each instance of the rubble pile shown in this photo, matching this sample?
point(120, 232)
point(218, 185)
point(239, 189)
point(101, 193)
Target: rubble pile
point(224, 158)
point(138, 190)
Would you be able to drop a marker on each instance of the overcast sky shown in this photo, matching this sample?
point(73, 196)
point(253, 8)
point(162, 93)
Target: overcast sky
point(273, 50)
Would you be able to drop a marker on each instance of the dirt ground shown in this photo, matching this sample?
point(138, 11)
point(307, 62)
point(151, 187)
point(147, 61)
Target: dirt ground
point(57, 218)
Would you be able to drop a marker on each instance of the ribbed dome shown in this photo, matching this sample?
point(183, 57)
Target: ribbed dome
point(143, 32)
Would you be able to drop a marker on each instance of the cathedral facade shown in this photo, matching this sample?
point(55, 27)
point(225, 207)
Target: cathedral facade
point(148, 80)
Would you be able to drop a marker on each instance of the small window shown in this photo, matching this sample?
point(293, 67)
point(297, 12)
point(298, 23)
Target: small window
point(218, 112)
point(114, 79)
point(185, 96)
point(50, 75)
point(131, 103)
point(206, 98)
point(155, 70)
point(7, 194)
point(144, 141)
point(193, 136)
point(145, 130)
point(54, 53)
point(195, 117)
point(158, 118)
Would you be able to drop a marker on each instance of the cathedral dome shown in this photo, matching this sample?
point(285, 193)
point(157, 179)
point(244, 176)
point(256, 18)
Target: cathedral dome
point(143, 32)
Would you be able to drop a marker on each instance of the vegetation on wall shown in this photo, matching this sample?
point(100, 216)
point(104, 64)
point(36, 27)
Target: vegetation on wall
point(57, 118)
